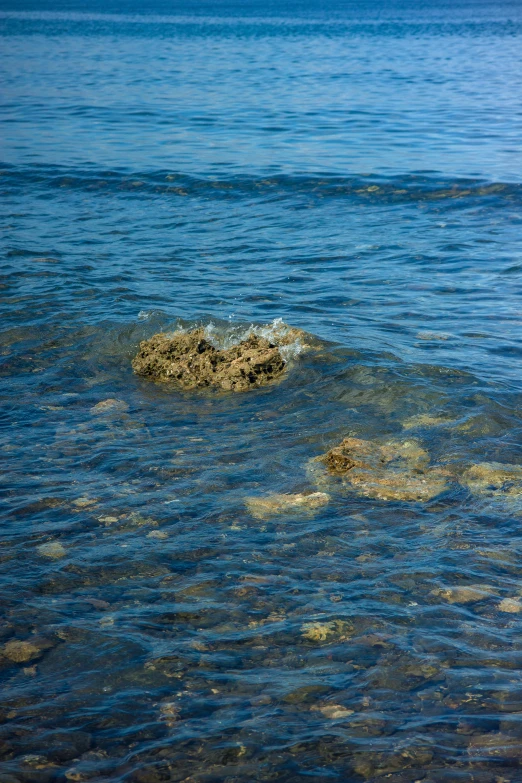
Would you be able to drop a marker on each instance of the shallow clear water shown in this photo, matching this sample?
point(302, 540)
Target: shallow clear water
point(355, 171)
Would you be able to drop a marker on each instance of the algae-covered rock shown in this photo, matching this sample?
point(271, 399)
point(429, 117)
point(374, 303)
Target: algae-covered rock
point(21, 651)
point(370, 455)
point(465, 594)
point(110, 405)
point(332, 711)
point(52, 550)
point(426, 420)
point(394, 470)
point(400, 485)
point(511, 605)
point(191, 361)
point(333, 630)
point(264, 507)
point(494, 479)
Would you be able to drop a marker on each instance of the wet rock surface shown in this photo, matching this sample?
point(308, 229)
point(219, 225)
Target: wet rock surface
point(191, 361)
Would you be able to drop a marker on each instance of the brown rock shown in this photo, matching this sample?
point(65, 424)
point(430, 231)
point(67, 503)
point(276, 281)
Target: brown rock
point(264, 507)
point(495, 745)
point(20, 652)
point(169, 712)
point(369, 455)
point(465, 594)
point(426, 420)
point(191, 361)
point(399, 485)
point(333, 630)
point(494, 479)
point(52, 549)
point(511, 605)
point(332, 711)
point(369, 763)
point(110, 406)
point(393, 470)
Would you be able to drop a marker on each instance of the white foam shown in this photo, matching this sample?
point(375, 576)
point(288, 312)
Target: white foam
point(274, 332)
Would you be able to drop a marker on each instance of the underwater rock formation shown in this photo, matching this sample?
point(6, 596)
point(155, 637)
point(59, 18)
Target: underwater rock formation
point(332, 711)
point(511, 605)
point(52, 549)
point(189, 359)
point(21, 652)
point(368, 455)
point(390, 471)
point(494, 480)
point(464, 594)
point(496, 745)
point(331, 631)
point(264, 507)
point(110, 406)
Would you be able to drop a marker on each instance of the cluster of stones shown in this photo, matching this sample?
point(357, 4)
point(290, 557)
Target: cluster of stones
point(393, 470)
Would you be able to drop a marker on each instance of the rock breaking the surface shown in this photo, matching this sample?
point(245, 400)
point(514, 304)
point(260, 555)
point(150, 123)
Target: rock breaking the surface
point(192, 361)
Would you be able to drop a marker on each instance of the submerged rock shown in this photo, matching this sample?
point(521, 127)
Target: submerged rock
point(264, 507)
point(52, 549)
point(159, 534)
point(495, 745)
point(371, 763)
point(332, 711)
point(110, 405)
point(494, 479)
point(511, 605)
point(426, 420)
point(402, 486)
point(189, 359)
point(305, 694)
point(20, 651)
point(333, 630)
point(465, 594)
point(393, 470)
point(169, 713)
point(369, 455)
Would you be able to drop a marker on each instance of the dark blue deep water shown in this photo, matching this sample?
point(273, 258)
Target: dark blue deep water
point(355, 169)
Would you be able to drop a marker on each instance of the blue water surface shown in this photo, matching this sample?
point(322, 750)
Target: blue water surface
point(355, 169)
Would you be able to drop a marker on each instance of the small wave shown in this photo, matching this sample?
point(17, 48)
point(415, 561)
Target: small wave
point(290, 341)
point(414, 186)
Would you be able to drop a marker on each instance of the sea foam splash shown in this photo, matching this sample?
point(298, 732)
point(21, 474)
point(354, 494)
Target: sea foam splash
point(290, 341)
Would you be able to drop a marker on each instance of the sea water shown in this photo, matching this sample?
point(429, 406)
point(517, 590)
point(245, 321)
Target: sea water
point(353, 169)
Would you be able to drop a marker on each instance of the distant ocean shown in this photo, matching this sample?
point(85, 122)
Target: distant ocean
point(354, 169)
